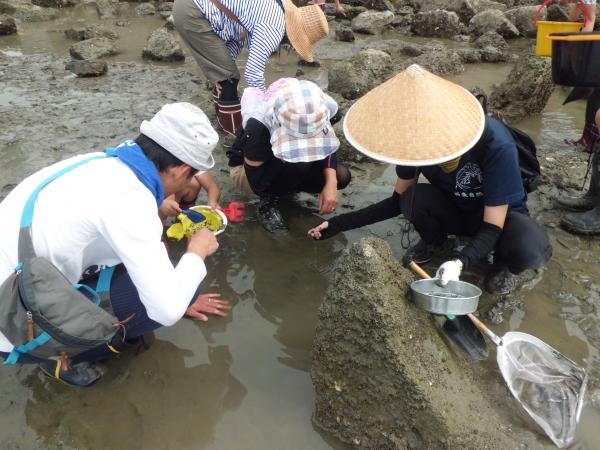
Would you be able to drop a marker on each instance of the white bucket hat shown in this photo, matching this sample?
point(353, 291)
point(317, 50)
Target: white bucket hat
point(298, 120)
point(415, 119)
point(304, 27)
point(184, 131)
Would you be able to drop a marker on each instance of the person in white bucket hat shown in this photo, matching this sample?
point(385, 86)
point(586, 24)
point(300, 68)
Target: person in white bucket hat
point(438, 129)
point(288, 146)
point(104, 213)
point(216, 32)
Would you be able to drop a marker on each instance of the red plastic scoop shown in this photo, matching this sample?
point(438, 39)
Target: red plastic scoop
point(235, 211)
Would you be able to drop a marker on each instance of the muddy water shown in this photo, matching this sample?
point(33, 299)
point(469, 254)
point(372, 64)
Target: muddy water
point(243, 381)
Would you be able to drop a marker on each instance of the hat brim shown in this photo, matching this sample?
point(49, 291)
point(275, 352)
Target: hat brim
point(304, 149)
point(296, 33)
point(415, 119)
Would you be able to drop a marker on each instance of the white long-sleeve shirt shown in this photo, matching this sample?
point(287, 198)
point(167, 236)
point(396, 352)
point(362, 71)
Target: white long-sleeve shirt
point(100, 213)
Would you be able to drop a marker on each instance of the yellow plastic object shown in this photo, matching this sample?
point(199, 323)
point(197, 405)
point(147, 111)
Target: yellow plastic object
point(543, 44)
point(214, 220)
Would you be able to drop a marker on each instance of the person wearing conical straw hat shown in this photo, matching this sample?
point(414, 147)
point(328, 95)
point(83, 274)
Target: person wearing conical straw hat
point(216, 31)
point(438, 129)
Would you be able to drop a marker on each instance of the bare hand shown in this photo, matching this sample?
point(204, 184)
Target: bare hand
point(203, 243)
point(169, 207)
point(328, 199)
point(209, 303)
point(315, 232)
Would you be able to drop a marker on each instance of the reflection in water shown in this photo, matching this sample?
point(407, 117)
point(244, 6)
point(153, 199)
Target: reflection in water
point(150, 402)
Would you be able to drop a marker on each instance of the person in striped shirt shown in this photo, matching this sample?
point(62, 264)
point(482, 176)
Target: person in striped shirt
point(217, 30)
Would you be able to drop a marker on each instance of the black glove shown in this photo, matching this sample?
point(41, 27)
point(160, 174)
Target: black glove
point(385, 209)
point(482, 243)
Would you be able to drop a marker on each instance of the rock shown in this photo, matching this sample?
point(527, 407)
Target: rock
point(526, 90)
point(492, 20)
point(162, 46)
point(89, 32)
point(521, 17)
point(384, 378)
point(493, 47)
point(344, 34)
point(87, 68)
point(49, 3)
point(7, 25)
point(145, 9)
point(371, 22)
point(360, 74)
point(94, 48)
point(27, 12)
point(439, 23)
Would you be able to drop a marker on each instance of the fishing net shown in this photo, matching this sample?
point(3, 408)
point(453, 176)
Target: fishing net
point(550, 386)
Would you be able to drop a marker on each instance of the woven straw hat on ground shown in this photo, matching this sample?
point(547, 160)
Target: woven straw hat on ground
point(415, 119)
point(304, 27)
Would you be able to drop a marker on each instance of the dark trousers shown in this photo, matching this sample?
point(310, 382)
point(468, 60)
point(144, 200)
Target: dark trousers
point(277, 177)
point(126, 303)
point(523, 244)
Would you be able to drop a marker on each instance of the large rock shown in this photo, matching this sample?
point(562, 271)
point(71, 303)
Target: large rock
point(384, 376)
point(526, 90)
point(162, 46)
point(361, 73)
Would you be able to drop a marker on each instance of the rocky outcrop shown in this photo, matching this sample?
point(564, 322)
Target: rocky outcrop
point(384, 376)
point(162, 46)
point(526, 90)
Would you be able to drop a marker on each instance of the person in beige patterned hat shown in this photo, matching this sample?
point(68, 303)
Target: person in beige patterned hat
point(438, 129)
point(216, 32)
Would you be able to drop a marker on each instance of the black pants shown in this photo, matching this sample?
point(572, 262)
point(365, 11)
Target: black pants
point(523, 244)
point(277, 177)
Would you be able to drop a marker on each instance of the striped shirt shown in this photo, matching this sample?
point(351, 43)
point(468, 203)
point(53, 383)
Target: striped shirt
point(264, 21)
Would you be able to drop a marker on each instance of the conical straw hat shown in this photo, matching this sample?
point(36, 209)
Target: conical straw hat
point(415, 119)
point(304, 27)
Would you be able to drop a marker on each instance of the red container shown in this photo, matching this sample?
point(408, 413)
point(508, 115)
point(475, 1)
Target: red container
point(576, 59)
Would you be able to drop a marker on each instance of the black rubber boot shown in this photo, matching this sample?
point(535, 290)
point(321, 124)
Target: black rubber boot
point(588, 200)
point(269, 216)
point(587, 223)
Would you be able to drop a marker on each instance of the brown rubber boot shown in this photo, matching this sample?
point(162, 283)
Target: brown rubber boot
point(215, 100)
point(229, 116)
point(588, 200)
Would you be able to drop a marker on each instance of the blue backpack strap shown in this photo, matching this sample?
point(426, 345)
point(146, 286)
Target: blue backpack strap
point(103, 288)
point(25, 243)
point(16, 352)
point(26, 251)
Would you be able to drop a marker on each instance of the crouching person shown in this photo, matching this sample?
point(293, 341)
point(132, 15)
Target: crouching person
point(101, 210)
point(474, 187)
point(288, 146)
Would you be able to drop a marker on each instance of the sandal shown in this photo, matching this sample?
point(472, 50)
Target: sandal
point(82, 374)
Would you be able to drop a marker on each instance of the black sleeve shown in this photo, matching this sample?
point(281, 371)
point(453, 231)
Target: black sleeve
point(482, 243)
point(254, 143)
point(330, 162)
point(385, 209)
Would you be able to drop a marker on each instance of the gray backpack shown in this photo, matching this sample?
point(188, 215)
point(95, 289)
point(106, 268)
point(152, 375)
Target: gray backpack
point(41, 313)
